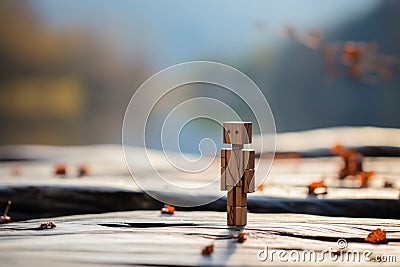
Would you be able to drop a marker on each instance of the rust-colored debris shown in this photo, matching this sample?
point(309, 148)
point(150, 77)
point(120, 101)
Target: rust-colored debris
point(364, 178)
point(353, 165)
point(377, 236)
point(317, 188)
point(83, 170)
point(47, 225)
point(260, 187)
point(207, 250)
point(388, 184)
point(241, 237)
point(168, 209)
point(60, 169)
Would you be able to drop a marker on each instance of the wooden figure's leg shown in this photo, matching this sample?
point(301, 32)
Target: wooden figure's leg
point(236, 197)
point(240, 216)
point(240, 197)
point(230, 212)
point(230, 197)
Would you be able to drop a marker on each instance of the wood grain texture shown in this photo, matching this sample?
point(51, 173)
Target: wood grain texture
point(149, 238)
point(236, 197)
point(231, 196)
point(240, 216)
point(38, 193)
point(237, 133)
point(249, 181)
point(223, 184)
point(230, 215)
point(240, 197)
point(235, 168)
point(249, 158)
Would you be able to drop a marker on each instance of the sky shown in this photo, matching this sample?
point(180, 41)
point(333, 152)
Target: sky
point(171, 32)
point(165, 33)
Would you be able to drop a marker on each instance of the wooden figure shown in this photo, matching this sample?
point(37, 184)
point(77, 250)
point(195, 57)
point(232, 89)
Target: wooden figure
point(237, 170)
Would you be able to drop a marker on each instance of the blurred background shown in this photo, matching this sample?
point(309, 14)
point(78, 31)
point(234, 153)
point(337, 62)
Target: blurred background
point(69, 68)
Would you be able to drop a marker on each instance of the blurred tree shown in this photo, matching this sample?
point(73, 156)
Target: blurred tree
point(59, 86)
point(348, 76)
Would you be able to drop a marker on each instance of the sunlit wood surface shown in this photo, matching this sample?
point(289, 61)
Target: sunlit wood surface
point(149, 238)
point(96, 235)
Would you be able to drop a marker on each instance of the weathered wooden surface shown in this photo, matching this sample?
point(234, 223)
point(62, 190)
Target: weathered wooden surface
point(149, 238)
point(36, 192)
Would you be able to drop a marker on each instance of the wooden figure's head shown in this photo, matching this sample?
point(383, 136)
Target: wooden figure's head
point(237, 132)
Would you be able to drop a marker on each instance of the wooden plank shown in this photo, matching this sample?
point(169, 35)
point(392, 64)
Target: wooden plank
point(149, 238)
point(37, 192)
